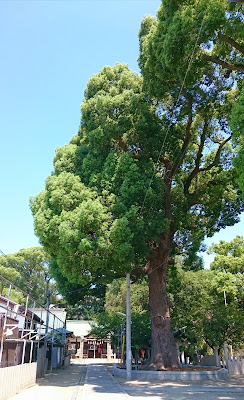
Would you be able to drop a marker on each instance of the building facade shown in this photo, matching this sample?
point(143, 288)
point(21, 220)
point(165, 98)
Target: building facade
point(82, 345)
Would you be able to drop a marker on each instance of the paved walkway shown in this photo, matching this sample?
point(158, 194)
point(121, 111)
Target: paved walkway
point(101, 385)
point(231, 389)
point(95, 382)
point(61, 384)
point(221, 390)
point(77, 382)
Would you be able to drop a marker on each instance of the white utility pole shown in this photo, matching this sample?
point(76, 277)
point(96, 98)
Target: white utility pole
point(128, 329)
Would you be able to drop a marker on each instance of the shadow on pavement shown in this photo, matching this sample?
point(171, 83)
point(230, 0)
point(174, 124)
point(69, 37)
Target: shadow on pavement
point(63, 377)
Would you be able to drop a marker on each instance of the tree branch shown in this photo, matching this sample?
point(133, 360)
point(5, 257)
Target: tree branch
point(195, 171)
point(184, 147)
point(217, 156)
point(232, 42)
point(224, 64)
point(137, 272)
point(184, 93)
point(122, 144)
point(237, 1)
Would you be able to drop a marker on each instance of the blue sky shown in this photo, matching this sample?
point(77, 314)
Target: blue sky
point(49, 50)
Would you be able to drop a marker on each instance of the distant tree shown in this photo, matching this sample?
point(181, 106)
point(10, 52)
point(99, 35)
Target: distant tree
point(10, 275)
point(29, 270)
point(109, 322)
point(229, 256)
point(206, 306)
point(150, 173)
point(209, 305)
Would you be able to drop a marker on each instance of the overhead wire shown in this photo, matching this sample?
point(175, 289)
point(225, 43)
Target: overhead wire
point(166, 134)
point(175, 106)
point(173, 115)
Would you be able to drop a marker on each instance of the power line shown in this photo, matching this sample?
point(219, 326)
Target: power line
point(8, 282)
point(173, 112)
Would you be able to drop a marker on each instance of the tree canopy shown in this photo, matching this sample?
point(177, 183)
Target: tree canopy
point(229, 256)
point(110, 322)
point(206, 308)
point(150, 172)
point(209, 305)
point(29, 270)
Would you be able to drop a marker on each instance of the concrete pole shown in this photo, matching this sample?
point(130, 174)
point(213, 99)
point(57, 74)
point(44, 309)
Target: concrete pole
point(4, 323)
point(128, 329)
point(46, 331)
point(216, 356)
point(226, 356)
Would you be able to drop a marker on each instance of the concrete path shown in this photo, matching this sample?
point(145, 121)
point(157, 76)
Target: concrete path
point(62, 384)
point(101, 385)
point(77, 382)
point(95, 382)
point(232, 389)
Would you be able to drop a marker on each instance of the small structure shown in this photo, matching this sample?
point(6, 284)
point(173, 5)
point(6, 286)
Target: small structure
point(29, 343)
point(52, 339)
point(82, 345)
point(18, 328)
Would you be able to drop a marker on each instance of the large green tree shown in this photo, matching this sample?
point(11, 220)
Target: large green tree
point(149, 173)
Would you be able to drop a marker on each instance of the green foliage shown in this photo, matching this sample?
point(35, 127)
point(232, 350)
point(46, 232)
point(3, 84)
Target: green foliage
point(80, 301)
point(29, 270)
point(206, 305)
point(150, 172)
point(109, 322)
point(229, 256)
point(8, 272)
point(199, 306)
point(237, 124)
point(210, 29)
point(91, 221)
point(94, 228)
point(88, 308)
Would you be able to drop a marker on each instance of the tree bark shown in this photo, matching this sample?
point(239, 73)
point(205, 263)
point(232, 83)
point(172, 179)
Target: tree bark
point(163, 347)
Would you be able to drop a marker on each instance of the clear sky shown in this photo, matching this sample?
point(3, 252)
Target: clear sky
point(49, 50)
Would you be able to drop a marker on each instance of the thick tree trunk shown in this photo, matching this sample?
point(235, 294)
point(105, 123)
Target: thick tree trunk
point(163, 347)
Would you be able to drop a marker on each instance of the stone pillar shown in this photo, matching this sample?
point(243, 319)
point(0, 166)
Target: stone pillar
point(178, 350)
point(226, 356)
point(109, 351)
point(216, 357)
point(182, 357)
point(81, 347)
point(231, 352)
